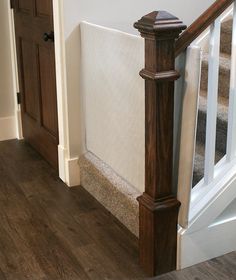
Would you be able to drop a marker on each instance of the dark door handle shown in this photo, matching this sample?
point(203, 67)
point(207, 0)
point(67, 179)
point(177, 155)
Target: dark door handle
point(48, 36)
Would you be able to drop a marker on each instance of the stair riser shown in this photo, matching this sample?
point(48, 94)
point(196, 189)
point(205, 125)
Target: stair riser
point(224, 80)
point(112, 191)
point(221, 132)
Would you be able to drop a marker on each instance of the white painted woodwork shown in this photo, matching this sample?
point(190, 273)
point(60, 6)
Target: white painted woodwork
point(212, 219)
point(231, 138)
point(213, 77)
point(203, 40)
point(68, 169)
point(14, 72)
point(209, 242)
point(188, 130)
point(210, 228)
point(6, 87)
point(219, 194)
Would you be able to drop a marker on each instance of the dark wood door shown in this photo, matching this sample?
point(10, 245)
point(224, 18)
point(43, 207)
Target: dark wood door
point(36, 67)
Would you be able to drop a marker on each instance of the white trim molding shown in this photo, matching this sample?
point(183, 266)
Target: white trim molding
point(69, 169)
point(208, 243)
point(212, 219)
point(8, 128)
point(17, 117)
point(72, 172)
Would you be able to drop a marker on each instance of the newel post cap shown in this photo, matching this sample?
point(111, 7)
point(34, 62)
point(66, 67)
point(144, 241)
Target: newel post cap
point(160, 22)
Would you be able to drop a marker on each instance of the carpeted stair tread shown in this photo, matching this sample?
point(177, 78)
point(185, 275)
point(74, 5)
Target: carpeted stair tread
point(226, 26)
point(198, 168)
point(225, 61)
point(226, 36)
point(222, 108)
point(224, 74)
point(222, 122)
point(199, 163)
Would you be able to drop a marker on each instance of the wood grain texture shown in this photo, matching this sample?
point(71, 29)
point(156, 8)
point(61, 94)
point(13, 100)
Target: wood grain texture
point(221, 268)
point(201, 24)
point(158, 206)
point(50, 232)
point(37, 77)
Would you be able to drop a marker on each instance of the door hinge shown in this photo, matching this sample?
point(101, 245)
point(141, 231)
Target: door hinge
point(12, 4)
point(18, 98)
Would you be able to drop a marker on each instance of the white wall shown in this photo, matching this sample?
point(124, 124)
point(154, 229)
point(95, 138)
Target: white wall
point(6, 80)
point(115, 14)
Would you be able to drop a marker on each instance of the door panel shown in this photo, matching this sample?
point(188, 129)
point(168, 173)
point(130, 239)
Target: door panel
point(29, 77)
point(47, 73)
point(36, 65)
point(43, 8)
point(25, 6)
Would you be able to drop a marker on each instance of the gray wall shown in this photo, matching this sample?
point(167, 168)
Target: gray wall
point(123, 13)
point(110, 13)
point(115, 14)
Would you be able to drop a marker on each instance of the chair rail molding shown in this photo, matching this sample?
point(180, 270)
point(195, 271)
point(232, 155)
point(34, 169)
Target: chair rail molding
point(159, 207)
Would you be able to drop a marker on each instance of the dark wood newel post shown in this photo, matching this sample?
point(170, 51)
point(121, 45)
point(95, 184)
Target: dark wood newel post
point(158, 206)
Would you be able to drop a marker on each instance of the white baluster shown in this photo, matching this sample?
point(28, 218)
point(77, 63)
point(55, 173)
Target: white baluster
point(231, 139)
point(213, 77)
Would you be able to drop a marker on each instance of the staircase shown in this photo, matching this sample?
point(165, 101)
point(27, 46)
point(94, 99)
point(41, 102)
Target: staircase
point(114, 119)
point(223, 99)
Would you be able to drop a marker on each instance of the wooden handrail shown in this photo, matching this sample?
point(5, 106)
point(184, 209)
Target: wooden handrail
point(201, 24)
point(158, 205)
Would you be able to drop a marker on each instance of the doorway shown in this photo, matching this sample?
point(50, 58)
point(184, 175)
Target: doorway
point(34, 37)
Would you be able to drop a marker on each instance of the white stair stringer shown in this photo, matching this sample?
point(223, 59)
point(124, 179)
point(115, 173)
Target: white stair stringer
point(211, 231)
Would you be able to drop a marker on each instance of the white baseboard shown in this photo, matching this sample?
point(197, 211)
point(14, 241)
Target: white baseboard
point(19, 131)
point(8, 128)
point(69, 170)
point(72, 172)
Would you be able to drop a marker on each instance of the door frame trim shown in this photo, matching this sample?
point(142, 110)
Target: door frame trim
point(17, 114)
point(61, 84)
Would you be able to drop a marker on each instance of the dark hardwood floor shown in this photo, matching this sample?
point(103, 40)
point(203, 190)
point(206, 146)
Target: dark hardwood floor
point(50, 232)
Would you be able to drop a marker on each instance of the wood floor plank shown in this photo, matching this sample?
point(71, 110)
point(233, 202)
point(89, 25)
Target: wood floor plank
point(2, 276)
point(47, 206)
point(51, 254)
point(112, 240)
point(51, 232)
point(9, 207)
point(11, 262)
